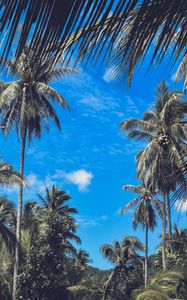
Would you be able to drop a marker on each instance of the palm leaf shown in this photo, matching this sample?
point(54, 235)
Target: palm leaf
point(132, 188)
point(49, 92)
point(129, 206)
point(46, 17)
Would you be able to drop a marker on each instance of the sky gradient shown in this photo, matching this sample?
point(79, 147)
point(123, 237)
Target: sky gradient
point(91, 159)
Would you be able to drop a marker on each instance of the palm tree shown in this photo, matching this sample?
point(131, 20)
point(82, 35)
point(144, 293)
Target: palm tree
point(82, 259)
point(165, 130)
point(120, 255)
point(55, 207)
point(146, 205)
point(55, 200)
point(7, 236)
point(178, 242)
point(25, 105)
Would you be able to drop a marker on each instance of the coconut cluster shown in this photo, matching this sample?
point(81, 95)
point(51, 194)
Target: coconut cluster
point(28, 83)
point(163, 139)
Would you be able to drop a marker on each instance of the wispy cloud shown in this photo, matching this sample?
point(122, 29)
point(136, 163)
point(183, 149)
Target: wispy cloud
point(108, 75)
point(91, 221)
point(93, 102)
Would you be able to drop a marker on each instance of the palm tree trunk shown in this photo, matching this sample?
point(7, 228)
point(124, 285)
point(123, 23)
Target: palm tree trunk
point(169, 217)
point(110, 280)
point(164, 232)
point(19, 214)
point(146, 254)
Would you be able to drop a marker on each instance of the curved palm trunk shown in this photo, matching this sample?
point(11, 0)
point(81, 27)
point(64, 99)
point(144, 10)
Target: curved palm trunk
point(164, 232)
point(19, 214)
point(169, 217)
point(110, 280)
point(146, 255)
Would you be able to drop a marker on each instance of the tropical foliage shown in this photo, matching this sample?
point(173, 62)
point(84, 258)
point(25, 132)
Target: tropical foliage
point(127, 28)
point(164, 129)
point(39, 243)
point(147, 205)
point(25, 105)
point(125, 257)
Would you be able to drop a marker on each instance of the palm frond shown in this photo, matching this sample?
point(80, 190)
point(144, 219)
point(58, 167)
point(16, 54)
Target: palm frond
point(132, 188)
point(49, 92)
point(140, 135)
point(152, 294)
point(8, 176)
point(49, 30)
point(108, 252)
point(138, 124)
point(128, 206)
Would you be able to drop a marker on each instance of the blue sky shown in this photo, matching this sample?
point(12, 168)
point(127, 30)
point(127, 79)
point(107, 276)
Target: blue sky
point(91, 159)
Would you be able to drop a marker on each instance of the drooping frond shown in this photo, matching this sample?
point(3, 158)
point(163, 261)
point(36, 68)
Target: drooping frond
point(132, 188)
point(107, 251)
point(129, 206)
point(181, 72)
point(125, 30)
point(8, 176)
point(162, 96)
point(45, 90)
point(7, 236)
point(152, 294)
point(132, 244)
point(49, 29)
point(138, 124)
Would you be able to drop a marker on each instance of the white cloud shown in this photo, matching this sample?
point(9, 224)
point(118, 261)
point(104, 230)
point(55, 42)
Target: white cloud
point(81, 178)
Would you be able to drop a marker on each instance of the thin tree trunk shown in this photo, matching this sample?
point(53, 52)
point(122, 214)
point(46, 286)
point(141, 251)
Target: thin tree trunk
point(110, 280)
point(164, 232)
point(146, 254)
point(169, 217)
point(19, 215)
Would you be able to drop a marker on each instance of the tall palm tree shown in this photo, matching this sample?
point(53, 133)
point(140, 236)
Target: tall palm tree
point(26, 105)
point(145, 213)
point(120, 255)
point(165, 130)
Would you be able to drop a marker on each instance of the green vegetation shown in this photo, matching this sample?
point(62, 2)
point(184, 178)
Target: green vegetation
point(39, 245)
